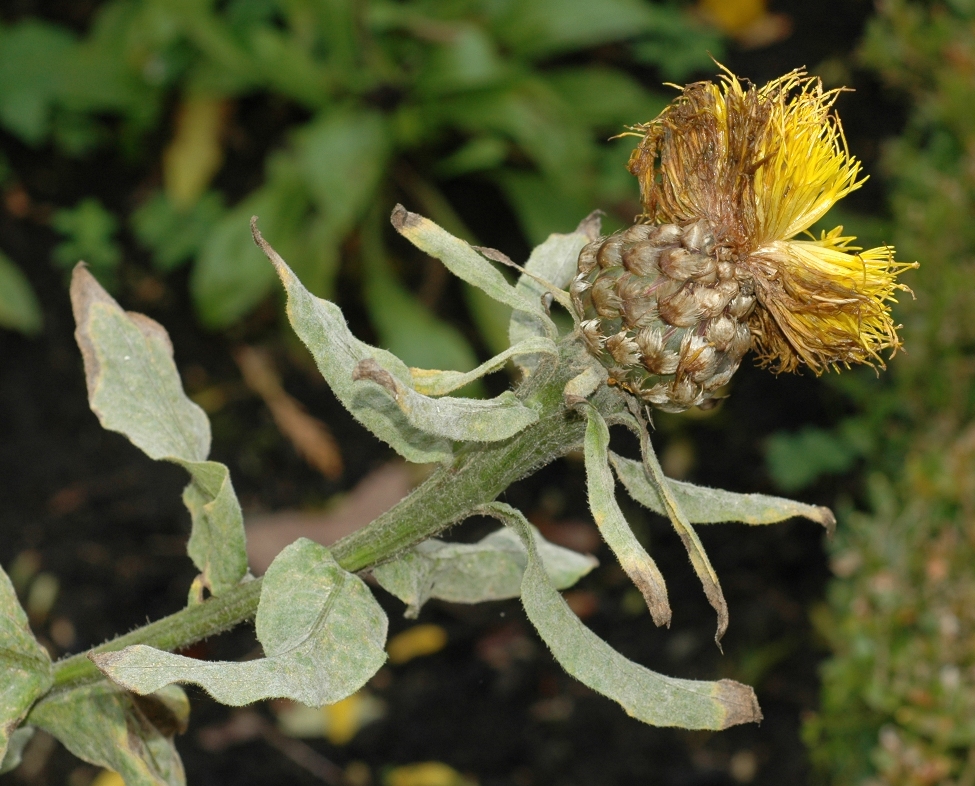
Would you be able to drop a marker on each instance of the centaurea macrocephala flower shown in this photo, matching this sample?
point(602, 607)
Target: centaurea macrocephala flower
point(762, 165)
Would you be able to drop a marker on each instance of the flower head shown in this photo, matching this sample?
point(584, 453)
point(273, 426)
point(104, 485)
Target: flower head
point(762, 165)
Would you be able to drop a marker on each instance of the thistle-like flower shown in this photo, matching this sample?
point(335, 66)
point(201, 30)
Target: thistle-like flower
point(730, 175)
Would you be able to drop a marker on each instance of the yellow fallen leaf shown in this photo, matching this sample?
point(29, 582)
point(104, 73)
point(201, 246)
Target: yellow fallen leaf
point(428, 773)
point(107, 778)
point(415, 642)
point(338, 722)
point(733, 16)
point(195, 152)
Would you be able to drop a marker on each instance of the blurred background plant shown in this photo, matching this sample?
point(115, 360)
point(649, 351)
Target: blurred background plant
point(441, 105)
point(898, 701)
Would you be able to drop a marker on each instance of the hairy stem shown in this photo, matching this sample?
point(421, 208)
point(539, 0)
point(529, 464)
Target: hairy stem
point(476, 476)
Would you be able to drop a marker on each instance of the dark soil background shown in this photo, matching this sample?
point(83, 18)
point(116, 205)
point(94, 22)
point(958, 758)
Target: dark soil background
point(90, 509)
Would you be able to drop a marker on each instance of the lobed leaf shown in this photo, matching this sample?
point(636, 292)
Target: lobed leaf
point(24, 664)
point(645, 695)
point(322, 632)
point(490, 569)
point(109, 727)
point(711, 506)
point(633, 558)
point(135, 389)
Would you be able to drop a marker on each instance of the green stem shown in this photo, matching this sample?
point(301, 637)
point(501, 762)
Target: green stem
point(477, 475)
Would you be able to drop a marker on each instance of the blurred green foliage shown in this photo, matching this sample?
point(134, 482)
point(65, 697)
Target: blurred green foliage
point(899, 692)
point(383, 101)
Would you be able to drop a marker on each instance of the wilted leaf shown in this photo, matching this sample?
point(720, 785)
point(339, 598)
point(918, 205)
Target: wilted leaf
point(554, 261)
point(462, 419)
point(654, 474)
point(426, 773)
point(644, 694)
point(24, 664)
point(460, 258)
point(711, 506)
point(437, 383)
point(19, 309)
point(109, 727)
point(409, 329)
point(633, 558)
point(375, 386)
point(135, 389)
point(322, 632)
point(490, 569)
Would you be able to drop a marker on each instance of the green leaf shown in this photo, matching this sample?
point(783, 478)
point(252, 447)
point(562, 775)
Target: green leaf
point(605, 98)
point(468, 60)
point(321, 326)
point(25, 664)
point(542, 205)
point(90, 237)
point(322, 632)
point(173, 235)
point(647, 696)
point(460, 259)
point(230, 276)
point(797, 460)
point(437, 383)
point(19, 309)
point(15, 748)
point(33, 58)
point(490, 569)
point(342, 156)
point(111, 728)
point(543, 28)
point(633, 558)
point(711, 506)
point(135, 389)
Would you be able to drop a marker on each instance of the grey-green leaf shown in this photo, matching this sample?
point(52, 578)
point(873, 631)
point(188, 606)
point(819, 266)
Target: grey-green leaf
point(463, 419)
point(711, 506)
point(695, 549)
point(135, 389)
point(15, 748)
point(460, 258)
point(321, 325)
point(490, 569)
point(633, 558)
point(24, 664)
point(645, 695)
point(19, 309)
point(555, 261)
point(109, 727)
point(322, 631)
point(431, 382)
